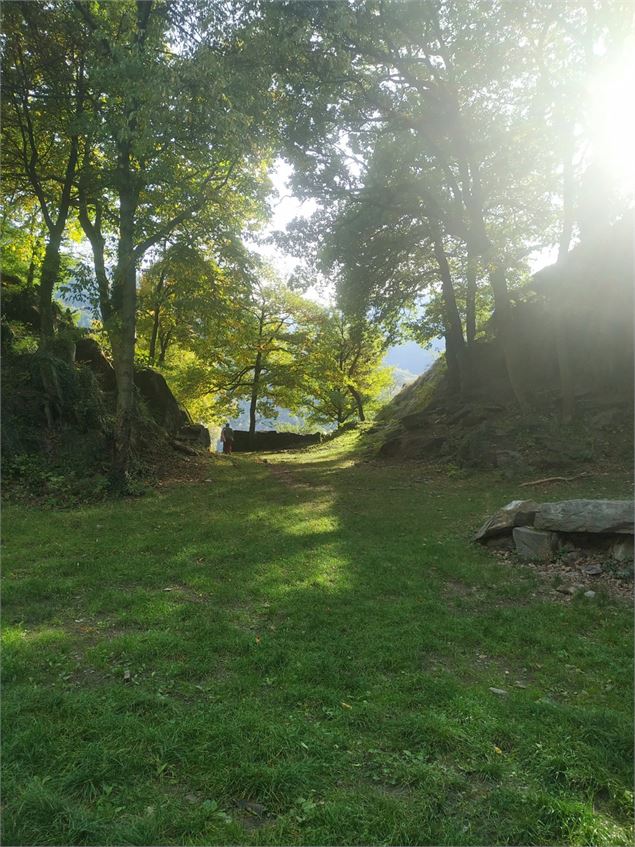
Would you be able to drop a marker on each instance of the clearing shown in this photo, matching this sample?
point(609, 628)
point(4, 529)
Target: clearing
point(302, 651)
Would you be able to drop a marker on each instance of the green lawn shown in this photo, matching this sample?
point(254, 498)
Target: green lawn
point(310, 648)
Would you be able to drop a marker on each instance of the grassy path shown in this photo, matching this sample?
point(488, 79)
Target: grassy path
point(303, 654)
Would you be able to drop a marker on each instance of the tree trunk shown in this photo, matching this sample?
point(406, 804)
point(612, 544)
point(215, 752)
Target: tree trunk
point(164, 343)
point(470, 298)
point(567, 387)
point(255, 389)
point(454, 340)
point(507, 334)
point(122, 332)
point(155, 332)
point(48, 278)
point(358, 402)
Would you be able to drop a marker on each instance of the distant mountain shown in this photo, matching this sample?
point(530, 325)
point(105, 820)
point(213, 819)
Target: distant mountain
point(413, 357)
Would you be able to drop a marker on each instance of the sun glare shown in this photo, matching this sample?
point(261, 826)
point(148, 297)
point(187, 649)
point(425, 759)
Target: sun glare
point(613, 121)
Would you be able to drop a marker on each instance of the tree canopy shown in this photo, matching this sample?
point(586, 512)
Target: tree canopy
point(443, 144)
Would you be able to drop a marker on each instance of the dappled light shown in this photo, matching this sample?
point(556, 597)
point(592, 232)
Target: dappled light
point(318, 371)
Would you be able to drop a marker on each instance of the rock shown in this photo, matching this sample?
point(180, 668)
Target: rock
point(196, 434)
point(88, 352)
point(161, 403)
point(571, 558)
point(500, 542)
point(425, 446)
point(516, 513)
point(589, 594)
point(622, 550)
point(499, 691)
point(565, 589)
point(391, 447)
point(586, 516)
point(416, 420)
point(534, 543)
point(593, 569)
point(184, 448)
point(478, 447)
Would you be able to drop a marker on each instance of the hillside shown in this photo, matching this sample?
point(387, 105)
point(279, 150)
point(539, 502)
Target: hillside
point(578, 307)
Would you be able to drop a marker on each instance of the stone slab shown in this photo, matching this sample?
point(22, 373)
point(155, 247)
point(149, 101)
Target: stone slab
point(534, 543)
point(622, 550)
point(516, 513)
point(586, 516)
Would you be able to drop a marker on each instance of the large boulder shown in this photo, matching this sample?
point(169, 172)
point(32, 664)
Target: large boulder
point(196, 434)
point(534, 543)
point(88, 352)
point(605, 516)
point(161, 403)
point(516, 513)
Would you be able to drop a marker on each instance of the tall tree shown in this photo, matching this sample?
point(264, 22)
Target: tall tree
point(262, 339)
point(341, 369)
point(179, 125)
point(455, 77)
point(43, 111)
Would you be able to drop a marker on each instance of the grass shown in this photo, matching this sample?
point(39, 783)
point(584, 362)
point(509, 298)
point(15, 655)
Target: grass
point(311, 648)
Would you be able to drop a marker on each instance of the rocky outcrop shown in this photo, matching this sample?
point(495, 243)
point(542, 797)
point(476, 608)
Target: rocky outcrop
point(154, 390)
point(161, 403)
point(88, 352)
point(195, 434)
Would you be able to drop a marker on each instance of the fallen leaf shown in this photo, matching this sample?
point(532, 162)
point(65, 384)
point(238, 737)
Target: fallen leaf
point(346, 705)
point(498, 750)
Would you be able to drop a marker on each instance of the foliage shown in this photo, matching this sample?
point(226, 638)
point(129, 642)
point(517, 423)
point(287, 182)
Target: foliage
point(342, 372)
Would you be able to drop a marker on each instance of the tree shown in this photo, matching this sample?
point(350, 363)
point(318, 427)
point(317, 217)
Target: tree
point(178, 126)
point(342, 375)
point(454, 77)
point(43, 110)
point(263, 335)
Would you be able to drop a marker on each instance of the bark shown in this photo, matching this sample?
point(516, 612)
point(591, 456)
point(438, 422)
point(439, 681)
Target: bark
point(156, 317)
point(470, 299)
point(454, 340)
point(507, 334)
point(358, 402)
point(122, 334)
point(155, 332)
point(48, 278)
point(255, 390)
point(471, 194)
point(164, 343)
point(567, 387)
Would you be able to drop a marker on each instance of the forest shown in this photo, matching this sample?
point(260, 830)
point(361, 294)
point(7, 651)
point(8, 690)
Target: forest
point(234, 213)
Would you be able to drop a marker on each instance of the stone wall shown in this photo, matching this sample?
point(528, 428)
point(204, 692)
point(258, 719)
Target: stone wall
point(272, 440)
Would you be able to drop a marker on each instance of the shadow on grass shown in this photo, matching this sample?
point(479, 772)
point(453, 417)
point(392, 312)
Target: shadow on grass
point(304, 649)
